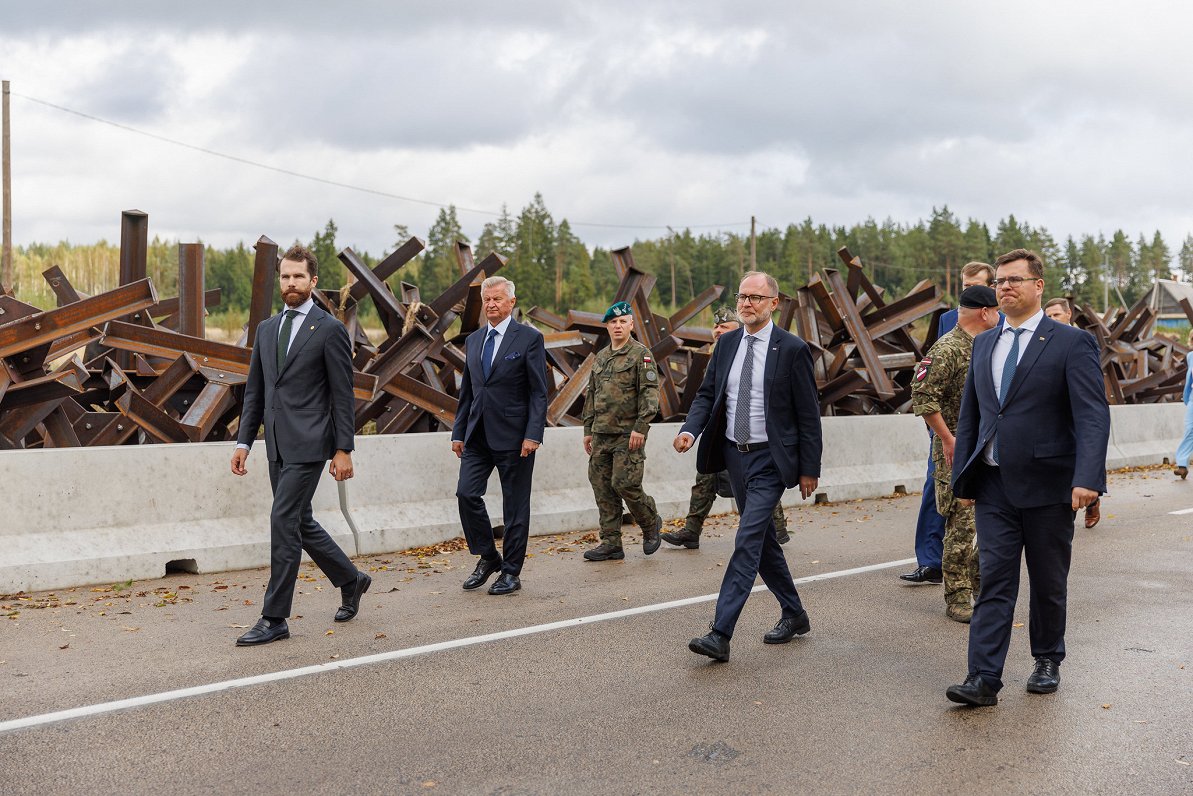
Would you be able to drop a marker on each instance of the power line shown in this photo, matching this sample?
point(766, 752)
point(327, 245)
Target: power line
point(337, 183)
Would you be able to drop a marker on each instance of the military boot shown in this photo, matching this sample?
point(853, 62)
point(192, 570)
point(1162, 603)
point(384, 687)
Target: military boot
point(684, 538)
point(650, 539)
point(605, 552)
point(959, 612)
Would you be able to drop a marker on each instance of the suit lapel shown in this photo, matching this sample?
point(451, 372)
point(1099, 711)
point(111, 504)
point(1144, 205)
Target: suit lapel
point(772, 364)
point(309, 324)
point(731, 342)
point(1039, 339)
point(983, 366)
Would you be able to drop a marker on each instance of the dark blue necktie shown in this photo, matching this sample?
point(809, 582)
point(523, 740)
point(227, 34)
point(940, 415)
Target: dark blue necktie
point(1008, 375)
point(487, 353)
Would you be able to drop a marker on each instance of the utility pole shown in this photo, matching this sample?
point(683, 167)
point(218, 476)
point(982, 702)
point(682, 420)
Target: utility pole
point(671, 257)
point(753, 244)
point(6, 279)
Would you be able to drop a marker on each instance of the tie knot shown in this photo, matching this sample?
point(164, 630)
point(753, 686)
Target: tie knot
point(1016, 332)
point(291, 314)
point(750, 340)
point(492, 333)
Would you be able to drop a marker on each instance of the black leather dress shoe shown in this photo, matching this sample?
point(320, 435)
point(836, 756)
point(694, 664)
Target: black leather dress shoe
point(788, 628)
point(1046, 678)
point(923, 575)
point(484, 568)
point(264, 632)
point(506, 584)
point(352, 595)
point(714, 645)
point(684, 538)
point(651, 539)
point(973, 691)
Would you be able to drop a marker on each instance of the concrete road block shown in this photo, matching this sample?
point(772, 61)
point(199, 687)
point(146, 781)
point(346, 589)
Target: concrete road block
point(1144, 434)
point(78, 516)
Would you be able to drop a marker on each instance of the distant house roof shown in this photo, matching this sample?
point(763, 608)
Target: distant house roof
point(1165, 296)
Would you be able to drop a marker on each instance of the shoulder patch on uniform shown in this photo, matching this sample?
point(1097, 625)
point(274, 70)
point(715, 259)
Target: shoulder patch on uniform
point(650, 375)
point(646, 358)
point(922, 371)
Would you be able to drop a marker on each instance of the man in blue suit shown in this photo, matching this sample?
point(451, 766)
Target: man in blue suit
point(1031, 451)
point(929, 526)
point(758, 416)
point(499, 423)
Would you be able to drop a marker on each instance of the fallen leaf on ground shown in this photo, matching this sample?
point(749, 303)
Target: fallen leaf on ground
point(239, 627)
point(330, 633)
point(131, 629)
point(65, 646)
point(1018, 624)
point(1106, 706)
point(380, 635)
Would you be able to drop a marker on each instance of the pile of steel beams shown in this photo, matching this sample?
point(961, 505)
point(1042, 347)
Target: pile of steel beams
point(125, 367)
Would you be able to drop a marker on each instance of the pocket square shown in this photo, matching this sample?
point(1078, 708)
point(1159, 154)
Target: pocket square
point(513, 356)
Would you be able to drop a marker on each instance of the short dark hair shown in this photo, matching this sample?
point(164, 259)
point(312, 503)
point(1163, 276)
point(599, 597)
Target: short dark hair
point(1034, 264)
point(301, 254)
point(974, 268)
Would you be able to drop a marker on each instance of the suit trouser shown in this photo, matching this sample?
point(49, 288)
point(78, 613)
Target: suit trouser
point(1185, 449)
point(1043, 535)
point(929, 525)
point(292, 529)
point(704, 494)
point(516, 474)
point(757, 487)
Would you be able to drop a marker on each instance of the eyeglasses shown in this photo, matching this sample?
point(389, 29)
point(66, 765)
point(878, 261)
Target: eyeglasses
point(752, 298)
point(1016, 281)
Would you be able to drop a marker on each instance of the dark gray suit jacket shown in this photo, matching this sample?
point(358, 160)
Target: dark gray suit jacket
point(307, 407)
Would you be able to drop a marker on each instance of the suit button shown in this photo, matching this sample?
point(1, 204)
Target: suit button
point(1000, 417)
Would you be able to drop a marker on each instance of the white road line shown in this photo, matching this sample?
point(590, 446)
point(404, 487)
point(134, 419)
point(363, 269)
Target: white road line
point(394, 655)
point(1182, 511)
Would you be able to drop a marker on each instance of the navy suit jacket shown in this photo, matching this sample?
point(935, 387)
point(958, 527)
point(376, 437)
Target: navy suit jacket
point(1053, 425)
point(513, 400)
point(308, 406)
point(792, 407)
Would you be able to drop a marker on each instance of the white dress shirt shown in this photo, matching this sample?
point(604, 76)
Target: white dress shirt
point(998, 361)
point(758, 378)
point(501, 329)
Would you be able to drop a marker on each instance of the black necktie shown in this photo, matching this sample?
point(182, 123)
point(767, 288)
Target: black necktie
point(284, 337)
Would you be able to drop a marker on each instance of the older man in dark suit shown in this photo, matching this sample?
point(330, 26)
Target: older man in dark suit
point(300, 385)
point(1031, 451)
point(757, 416)
point(499, 424)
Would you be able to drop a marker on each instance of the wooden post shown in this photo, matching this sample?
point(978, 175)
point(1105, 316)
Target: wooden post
point(6, 277)
point(753, 244)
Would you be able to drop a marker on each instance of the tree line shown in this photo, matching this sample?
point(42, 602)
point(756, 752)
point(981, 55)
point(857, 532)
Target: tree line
point(553, 268)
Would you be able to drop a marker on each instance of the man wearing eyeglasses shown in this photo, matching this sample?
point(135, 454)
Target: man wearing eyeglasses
point(1031, 384)
point(758, 416)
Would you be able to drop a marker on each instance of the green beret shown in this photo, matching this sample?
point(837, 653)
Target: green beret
point(725, 315)
point(617, 310)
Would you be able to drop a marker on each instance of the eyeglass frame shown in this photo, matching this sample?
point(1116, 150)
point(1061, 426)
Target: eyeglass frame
point(754, 299)
point(1015, 281)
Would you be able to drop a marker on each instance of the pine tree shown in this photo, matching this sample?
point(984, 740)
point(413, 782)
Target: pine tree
point(323, 246)
point(532, 266)
point(440, 267)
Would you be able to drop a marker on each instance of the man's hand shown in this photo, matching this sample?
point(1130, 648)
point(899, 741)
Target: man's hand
point(807, 485)
point(588, 444)
point(457, 448)
point(683, 443)
point(969, 503)
point(1082, 497)
point(948, 445)
point(529, 446)
point(238, 458)
point(637, 441)
point(341, 466)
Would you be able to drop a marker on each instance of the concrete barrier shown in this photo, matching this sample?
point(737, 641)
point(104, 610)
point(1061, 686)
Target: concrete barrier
point(101, 515)
point(77, 516)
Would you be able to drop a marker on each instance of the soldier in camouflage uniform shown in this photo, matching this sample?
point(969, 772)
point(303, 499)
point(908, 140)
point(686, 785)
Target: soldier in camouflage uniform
point(936, 396)
point(709, 485)
point(622, 399)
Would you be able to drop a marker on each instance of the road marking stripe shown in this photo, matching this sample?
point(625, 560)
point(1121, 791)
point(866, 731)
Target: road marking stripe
point(1182, 511)
point(394, 655)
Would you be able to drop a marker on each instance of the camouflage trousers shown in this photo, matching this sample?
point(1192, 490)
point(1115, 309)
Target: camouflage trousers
point(615, 473)
point(704, 492)
point(959, 560)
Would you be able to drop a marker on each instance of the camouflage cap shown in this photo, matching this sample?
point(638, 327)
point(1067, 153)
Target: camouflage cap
point(725, 315)
point(617, 310)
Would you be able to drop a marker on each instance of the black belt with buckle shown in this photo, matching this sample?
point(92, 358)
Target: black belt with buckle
point(751, 446)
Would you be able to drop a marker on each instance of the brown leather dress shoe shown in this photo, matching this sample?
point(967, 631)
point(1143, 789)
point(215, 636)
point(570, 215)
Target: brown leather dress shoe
point(1093, 513)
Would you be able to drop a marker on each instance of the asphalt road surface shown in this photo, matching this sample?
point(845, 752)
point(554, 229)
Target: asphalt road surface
point(582, 682)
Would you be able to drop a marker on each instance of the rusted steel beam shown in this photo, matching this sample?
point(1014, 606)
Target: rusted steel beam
point(213, 401)
point(59, 431)
point(134, 246)
point(265, 266)
point(547, 318)
point(390, 265)
point(52, 386)
point(439, 405)
point(571, 392)
point(857, 329)
point(562, 339)
point(390, 309)
point(64, 291)
point(152, 420)
point(464, 257)
point(171, 345)
point(191, 287)
point(45, 327)
point(18, 423)
point(170, 306)
point(458, 292)
point(697, 305)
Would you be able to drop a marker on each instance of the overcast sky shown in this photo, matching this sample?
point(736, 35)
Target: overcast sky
point(1077, 116)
